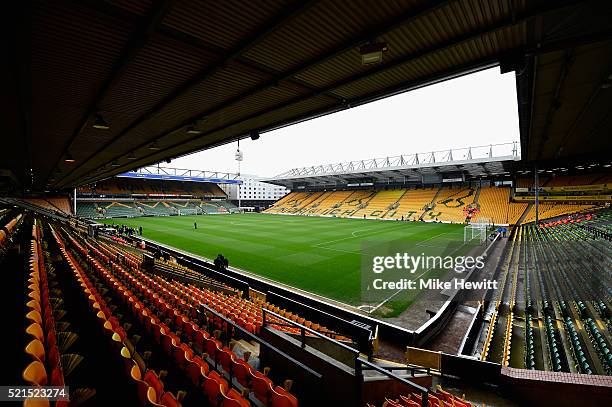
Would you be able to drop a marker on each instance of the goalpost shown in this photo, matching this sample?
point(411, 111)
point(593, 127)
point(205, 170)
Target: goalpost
point(187, 211)
point(477, 230)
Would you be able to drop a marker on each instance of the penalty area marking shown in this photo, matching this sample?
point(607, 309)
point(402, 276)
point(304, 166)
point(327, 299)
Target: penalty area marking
point(398, 291)
point(353, 236)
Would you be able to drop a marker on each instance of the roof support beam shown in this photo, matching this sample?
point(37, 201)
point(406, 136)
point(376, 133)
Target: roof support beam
point(467, 37)
point(458, 71)
point(137, 41)
point(367, 35)
point(250, 41)
point(195, 42)
point(556, 102)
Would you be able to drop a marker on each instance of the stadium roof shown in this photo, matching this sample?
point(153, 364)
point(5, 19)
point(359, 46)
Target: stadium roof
point(433, 167)
point(168, 78)
point(180, 174)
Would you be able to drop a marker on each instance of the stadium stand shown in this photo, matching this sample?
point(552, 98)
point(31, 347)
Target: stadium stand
point(567, 297)
point(382, 203)
point(413, 203)
point(109, 208)
point(573, 180)
point(493, 204)
point(97, 90)
point(53, 204)
point(128, 187)
point(449, 204)
point(548, 210)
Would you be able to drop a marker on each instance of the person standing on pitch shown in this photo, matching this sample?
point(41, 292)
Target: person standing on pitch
point(195, 225)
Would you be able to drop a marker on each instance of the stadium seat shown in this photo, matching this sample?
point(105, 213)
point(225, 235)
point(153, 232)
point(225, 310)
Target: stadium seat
point(36, 349)
point(32, 402)
point(261, 386)
point(282, 398)
point(213, 386)
point(233, 399)
point(35, 374)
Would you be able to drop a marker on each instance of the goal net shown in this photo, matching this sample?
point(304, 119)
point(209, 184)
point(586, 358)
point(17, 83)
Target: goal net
point(477, 231)
point(188, 211)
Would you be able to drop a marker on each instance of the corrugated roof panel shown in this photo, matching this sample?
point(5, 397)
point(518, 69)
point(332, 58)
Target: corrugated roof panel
point(73, 51)
point(223, 26)
point(322, 28)
point(134, 6)
point(159, 68)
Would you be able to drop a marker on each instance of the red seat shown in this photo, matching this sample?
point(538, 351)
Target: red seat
point(226, 357)
point(182, 354)
point(282, 398)
point(153, 380)
point(233, 399)
point(213, 347)
point(242, 371)
point(196, 370)
point(213, 386)
point(262, 387)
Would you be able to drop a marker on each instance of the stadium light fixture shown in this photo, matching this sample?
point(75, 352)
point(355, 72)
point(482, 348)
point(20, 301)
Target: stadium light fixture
point(193, 130)
point(131, 156)
point(372, 53)
point(115, 164)
point(100, 123)
point(69, 158)
point(154, 146)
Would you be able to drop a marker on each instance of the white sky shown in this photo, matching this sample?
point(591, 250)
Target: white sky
point(473, 110)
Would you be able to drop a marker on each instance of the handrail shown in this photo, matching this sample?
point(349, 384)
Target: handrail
point(304, 329)
point(262, 342)
point(360, 362)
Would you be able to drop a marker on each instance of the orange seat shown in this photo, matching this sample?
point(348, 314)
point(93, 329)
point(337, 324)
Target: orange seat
point(34, 316)
point(36, 349)
point(33, 304)
point(35, 374)
point(154, 381)
point(142, 387)
point(36, 403)
point(36, 331)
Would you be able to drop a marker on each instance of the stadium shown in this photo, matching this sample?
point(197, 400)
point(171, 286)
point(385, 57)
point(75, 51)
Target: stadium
point(470, 276)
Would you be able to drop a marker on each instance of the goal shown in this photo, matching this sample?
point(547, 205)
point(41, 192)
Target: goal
point(477, 231)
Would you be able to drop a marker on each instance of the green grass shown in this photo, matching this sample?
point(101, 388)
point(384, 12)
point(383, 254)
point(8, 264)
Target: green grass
point(319, 255)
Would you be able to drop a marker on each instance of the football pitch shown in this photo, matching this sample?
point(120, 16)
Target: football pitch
point(319, 255)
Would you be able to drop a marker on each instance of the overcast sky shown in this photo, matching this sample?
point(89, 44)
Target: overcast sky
point(477, 109)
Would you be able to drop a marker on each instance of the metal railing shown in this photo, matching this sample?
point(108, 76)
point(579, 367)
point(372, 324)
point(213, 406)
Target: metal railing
point(262, 343)
point(362, 365)
point(304, 329)
point(464, 154)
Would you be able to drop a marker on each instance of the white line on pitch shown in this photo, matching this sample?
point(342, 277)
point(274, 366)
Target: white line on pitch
point(398, 291)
